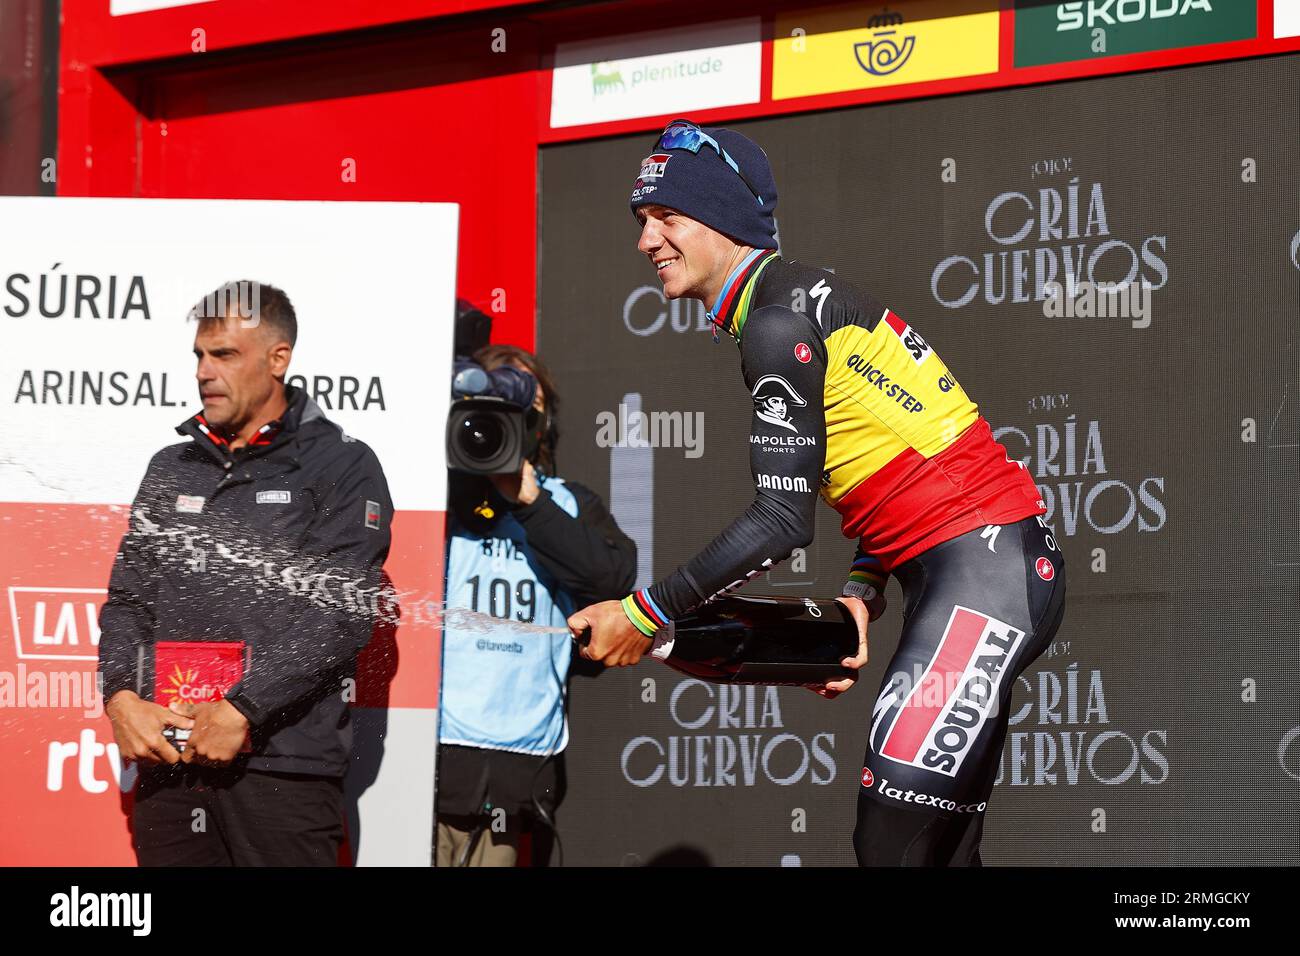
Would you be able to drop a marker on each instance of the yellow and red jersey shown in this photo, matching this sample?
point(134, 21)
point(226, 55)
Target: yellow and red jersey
point(851, 403)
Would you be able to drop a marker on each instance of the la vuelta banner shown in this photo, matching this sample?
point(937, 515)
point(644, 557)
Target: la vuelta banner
point(95, 373)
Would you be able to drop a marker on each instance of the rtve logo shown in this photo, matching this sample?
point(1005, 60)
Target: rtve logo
point(55, 624)
point(89, 758)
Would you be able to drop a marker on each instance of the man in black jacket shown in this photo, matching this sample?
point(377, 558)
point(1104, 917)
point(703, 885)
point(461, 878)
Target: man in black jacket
point(252, 567)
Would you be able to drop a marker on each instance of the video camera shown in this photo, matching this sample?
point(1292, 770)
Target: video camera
point(492, 426)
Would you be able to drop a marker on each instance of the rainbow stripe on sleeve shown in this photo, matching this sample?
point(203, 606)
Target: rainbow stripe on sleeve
point(644, 614)
point(864, 574)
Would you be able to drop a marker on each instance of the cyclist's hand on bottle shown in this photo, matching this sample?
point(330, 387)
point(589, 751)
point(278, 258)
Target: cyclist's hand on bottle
point(614, 640)
point(833, 689)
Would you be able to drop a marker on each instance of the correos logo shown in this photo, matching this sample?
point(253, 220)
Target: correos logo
point(885, 52)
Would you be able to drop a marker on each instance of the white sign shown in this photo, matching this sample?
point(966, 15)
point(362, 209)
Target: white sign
point(1286, 18)
point(120, 8)
point(97, 369)
point(96, 372)
point(652, 74)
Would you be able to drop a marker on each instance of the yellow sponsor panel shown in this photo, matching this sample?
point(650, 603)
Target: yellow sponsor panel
point(831, 49)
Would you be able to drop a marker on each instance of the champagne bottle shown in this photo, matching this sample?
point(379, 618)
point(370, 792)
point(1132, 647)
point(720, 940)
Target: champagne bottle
point(761, 640)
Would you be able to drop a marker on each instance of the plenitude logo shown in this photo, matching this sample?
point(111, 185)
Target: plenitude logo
point(676, 70)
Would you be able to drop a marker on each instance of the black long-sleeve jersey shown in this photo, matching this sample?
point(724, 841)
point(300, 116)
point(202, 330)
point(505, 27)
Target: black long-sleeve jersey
point(852, 404)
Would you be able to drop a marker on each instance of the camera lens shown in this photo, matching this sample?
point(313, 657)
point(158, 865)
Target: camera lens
point(481, 436)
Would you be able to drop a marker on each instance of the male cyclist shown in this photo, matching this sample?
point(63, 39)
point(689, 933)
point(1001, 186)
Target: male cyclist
point(851, 402)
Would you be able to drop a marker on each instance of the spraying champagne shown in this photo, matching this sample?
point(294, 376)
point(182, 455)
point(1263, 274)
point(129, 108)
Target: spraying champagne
point(760, 640)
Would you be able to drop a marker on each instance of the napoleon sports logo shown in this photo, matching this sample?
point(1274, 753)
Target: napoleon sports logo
point(773, 398)
point(934, 724)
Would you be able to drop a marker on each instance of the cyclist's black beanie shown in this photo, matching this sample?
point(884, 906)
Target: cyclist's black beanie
point(704, 187)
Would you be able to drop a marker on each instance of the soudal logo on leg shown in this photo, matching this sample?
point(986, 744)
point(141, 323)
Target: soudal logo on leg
point(934, 724)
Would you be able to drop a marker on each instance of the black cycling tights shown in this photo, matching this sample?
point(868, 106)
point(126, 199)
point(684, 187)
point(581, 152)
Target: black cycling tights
point(979, 609)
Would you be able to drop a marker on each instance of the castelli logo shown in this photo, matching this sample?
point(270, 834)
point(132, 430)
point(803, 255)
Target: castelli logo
point(803, 353)
point(867, 777)
point(1045, 569)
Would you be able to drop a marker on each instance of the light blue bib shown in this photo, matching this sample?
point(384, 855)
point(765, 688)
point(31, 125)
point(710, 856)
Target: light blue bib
point(504, 689)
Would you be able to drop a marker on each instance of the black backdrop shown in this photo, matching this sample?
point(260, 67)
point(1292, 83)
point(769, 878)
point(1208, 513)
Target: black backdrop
point(1163, 726)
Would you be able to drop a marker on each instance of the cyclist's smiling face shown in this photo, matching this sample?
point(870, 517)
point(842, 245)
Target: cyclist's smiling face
point(691, 259)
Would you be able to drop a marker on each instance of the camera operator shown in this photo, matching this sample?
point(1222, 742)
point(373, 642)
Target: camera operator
point(528, 548)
